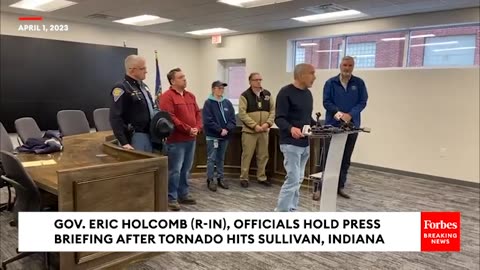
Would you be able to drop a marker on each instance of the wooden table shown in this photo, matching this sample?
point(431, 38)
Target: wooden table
point(94, 174)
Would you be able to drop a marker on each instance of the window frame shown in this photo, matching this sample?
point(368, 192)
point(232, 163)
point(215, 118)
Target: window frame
point(406, 51)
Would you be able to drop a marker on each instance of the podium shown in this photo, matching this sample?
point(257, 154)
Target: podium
point(328, 179)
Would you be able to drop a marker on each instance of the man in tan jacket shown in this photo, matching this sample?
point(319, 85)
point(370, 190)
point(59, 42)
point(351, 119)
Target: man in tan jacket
point(257, 113)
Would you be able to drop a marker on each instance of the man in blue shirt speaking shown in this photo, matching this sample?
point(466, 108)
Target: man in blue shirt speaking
point(344, 97)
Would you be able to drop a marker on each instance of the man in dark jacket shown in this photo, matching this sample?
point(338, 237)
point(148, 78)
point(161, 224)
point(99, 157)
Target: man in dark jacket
point(218, 123)
point(132, 107)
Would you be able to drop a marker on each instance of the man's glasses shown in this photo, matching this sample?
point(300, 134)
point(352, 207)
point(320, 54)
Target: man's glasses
point(256, 80)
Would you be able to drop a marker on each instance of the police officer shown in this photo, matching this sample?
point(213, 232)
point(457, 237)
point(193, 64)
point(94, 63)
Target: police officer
point(132, 107)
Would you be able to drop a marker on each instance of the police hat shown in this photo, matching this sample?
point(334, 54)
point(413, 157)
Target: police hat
point(161, 126)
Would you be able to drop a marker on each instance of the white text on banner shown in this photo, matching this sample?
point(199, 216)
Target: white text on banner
point(218, 231)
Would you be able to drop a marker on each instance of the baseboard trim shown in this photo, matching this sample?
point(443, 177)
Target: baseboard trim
point(418, 175)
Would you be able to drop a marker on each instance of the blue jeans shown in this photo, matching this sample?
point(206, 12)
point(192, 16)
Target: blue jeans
point(294, 160)
point(216, 156)
point(142, 142)
point(180, 159)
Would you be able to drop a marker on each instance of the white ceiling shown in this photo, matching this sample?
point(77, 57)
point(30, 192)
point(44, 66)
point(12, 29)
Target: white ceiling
point(189, 15)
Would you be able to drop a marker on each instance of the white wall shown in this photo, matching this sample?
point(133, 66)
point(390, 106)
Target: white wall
point(413, 112)
point(172, 51)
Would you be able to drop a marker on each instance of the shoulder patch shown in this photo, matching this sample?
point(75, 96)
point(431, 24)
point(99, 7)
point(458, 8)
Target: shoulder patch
point(117, 93)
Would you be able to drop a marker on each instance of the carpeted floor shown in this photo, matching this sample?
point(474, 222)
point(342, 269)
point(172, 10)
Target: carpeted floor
point(370, 191)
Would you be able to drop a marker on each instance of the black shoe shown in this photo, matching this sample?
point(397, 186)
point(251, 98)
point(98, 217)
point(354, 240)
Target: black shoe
point(342, 193)
point(173, 206)
point(244, 183)
point(266, 183)
point(222, 183)
point(212, 184)
point(187, 200)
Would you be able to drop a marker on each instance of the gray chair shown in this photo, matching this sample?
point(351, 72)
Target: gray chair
point(5, 142)
point(27, 128)
point(5, 145)
point(101, 117)
point(72, 122)
point(27, 194)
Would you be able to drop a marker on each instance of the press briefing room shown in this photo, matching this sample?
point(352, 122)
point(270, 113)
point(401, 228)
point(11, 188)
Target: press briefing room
point(240, 134)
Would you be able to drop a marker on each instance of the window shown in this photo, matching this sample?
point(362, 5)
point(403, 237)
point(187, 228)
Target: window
point(364, 54)
point(234, 74)
point(452, 46)
point(337, 52)
point(451, 51)
point(321, 53)
point(315, 52)
point(381, 50)
point(434, 46)
point(300, 56)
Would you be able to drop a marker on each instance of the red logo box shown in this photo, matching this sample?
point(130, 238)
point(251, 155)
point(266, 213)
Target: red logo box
point(440, 231)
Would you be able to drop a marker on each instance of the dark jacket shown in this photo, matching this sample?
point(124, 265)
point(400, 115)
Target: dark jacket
point(256, 110)
point(218, 115)
point(129, 107)
point(50, 143)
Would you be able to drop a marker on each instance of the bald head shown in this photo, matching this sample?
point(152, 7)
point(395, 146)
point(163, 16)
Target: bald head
point(301, 69)
point(304, 75)
point(135, 67)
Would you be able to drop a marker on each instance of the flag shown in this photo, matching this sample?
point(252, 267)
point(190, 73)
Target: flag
point(158, 83)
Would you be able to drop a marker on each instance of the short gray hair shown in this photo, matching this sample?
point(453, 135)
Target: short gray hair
point(348, 58)
point(132, 60)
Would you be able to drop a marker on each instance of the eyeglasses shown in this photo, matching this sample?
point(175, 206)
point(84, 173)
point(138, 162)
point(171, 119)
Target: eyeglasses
point(142, 69)
point(256, 80)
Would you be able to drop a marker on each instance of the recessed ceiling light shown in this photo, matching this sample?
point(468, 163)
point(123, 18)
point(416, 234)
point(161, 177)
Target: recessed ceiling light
point(393, 39)
point(423, 36)
point(251, 3)
point(435, 43)
point(143, 20)
point(330, 16)
point(42, 5)
point(325, 51)
point(308, 44)
point(403, 38)
point(363, 55)
point(211, 31)
point(455, 49)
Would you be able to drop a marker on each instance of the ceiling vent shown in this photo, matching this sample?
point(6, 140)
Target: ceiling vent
point(99, 16)
point(326, 8)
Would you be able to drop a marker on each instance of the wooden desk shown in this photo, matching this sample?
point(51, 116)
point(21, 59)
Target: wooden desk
point(93, 174)
point(274, 170)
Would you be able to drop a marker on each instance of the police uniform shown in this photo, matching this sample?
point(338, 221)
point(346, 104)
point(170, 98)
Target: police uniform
point(131, 112)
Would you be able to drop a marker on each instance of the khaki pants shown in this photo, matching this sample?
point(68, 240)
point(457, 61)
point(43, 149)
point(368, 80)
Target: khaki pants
point(251, 143)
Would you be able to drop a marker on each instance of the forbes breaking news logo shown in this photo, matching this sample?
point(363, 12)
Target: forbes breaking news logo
point(440, 231)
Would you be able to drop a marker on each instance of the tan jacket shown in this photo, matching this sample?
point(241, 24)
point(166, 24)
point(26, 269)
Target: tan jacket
point(251, 115)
